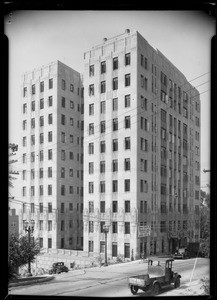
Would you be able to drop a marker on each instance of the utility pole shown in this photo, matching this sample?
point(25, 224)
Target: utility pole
point(106, 230)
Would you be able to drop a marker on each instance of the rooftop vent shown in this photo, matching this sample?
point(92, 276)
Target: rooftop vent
point(127, 31)
point(104, 40)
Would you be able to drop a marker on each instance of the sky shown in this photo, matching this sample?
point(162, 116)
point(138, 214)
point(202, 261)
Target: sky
point(37, 38)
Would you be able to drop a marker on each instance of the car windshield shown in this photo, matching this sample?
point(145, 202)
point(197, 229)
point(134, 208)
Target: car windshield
point(156, 268)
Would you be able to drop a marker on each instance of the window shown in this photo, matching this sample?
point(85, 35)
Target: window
point(115, 145)
point(62, 172)
point(41, 121)
point(102, 206)
point(63, 102)
point(114, 186)
point(32, 156)
point(90, 246)
point(62, 190)
point(63, 154)
point(41, 190)
point(50, 83)
point(41, 173)
point(24, 174)
point(24, 108)
point(103, 67)
point(144, 144)
point(115, 63)
point(63, 137)
point(127, 143)
point(127, 206)
point(91, 128)
point(102, 167)
point(91, 109)
point(115, 104)
point(126, 227)
point(63, 84)
point(50, 101)
point(49, 225)
point(50, 119)
point(144, 103)
point(71, 104)
point(91, 148)
point(163, 79)
point(24, 91)
point(91, 226)
point(41, 242)
point(41, 138)
point(33, 139)
point(24, 141)
point(49, 189)
point(33, 89)
point(24, 191)
point(143, 206)
point(102, 87)
point(32, 191)
point(91, 187)
point(33, 105)
point(49, 172)
point(41, 103)
point(91, 207)
point(102, 147)
point(91, 70)
point(102, 127)
point(127, 59)
point(127, 101)
point(115, 83)
point(127, 122)
point(127, 80)
point(115, 124)
point(102, 187)
point(70, 172)
point(127, 164)
point(114, 165)
point(62, 229)
point(24, 124)
point(91, 168)
point(32, 174)
point(143, 186)
point(127, 185)
point(163, 115)
point(163, 226)
point(71, 139)
point(102, 247)
point(50, 136)
point(62, 207)
point(41, 155)
point(50, 154)
point(114, 249)
point(114, 227)
point(41, 209)
point(102, 107)
point(71, 122)
point(115, 206)
point(91, 89)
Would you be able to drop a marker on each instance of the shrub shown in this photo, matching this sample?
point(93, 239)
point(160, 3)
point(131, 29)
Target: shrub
point(205, 285)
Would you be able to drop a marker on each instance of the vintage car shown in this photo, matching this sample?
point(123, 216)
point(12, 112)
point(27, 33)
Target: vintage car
point(58, 268)
point(181, 253)
point(159, 275)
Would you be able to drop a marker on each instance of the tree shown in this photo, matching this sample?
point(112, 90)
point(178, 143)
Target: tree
point(20, 251)
point(205, 224)
point(12, 148)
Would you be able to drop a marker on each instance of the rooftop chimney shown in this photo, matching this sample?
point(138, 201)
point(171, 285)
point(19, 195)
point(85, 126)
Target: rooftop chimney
point(127, 31)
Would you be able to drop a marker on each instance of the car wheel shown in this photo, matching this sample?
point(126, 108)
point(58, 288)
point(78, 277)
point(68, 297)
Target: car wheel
point(177, 283)
point(134, 289)
point(156, 289)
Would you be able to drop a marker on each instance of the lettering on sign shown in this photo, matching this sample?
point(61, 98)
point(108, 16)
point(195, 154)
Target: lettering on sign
point(144, 231)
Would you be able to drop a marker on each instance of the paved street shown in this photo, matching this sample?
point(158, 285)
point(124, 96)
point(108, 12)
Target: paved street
point(111, 281)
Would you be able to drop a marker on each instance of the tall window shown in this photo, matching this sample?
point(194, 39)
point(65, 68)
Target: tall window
point(127, 122)
point(127, 164)
point(102, 127)
point(91, 70)
point(114, 165)
point(102, 167)
point(102, 107)
point(91, 109)
point(127, 206)
point(127, 227)
point(41, 86)
point(91, 148)
point(102, 87)
point(91, 89)
point(50, 101)
point(41, 103)
point(50, 83)
point(127, 143)
point(115, 124)
point(33, 89)
point(115, 83)
point(50, 118)
point(63, 84)
point(127, 59)
point(114, 186)
point(103, 67)
point(115, 63)
point(91, 128)
point(115, 145)
point(102, 147)
point(127, 101)
point(127, 185)
point(91, 187)
point(127, 80)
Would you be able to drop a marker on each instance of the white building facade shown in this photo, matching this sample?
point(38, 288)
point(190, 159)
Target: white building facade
point(51, 155)
point(141, 150)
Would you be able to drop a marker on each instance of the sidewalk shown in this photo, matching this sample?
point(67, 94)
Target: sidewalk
point(30, 280)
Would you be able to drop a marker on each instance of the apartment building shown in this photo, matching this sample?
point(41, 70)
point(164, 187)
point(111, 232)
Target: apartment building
point(141, 150)
point(52, 156)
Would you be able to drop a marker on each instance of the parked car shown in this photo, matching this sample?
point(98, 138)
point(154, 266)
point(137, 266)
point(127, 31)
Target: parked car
point(58, 268)
point(157, 276)
point(181, 253)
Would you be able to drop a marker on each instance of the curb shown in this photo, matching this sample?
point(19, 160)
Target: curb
point(27, 282)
